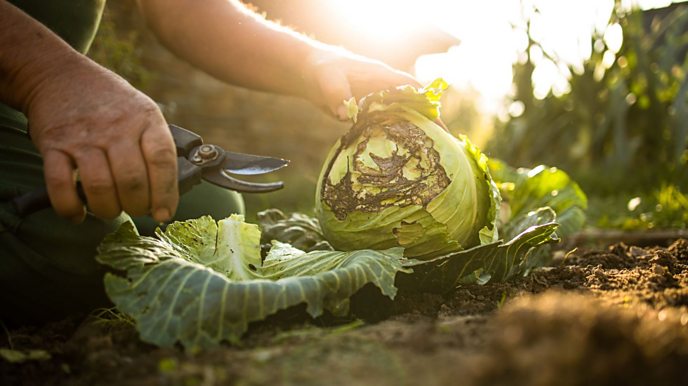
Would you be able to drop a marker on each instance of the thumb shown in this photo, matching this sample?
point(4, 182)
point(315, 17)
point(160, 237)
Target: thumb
point(335, 89)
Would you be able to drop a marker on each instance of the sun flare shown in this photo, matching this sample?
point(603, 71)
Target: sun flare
point(493, 37)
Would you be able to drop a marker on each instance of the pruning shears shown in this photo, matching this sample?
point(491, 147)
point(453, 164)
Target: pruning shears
point(196, 161)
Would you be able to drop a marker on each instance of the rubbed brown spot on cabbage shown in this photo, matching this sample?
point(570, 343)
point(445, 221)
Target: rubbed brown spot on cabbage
point(410, 175)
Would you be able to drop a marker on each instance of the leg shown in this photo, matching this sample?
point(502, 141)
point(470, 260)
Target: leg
point(47, 265)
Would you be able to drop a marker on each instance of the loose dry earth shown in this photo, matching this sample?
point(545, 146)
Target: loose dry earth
point(602, 317)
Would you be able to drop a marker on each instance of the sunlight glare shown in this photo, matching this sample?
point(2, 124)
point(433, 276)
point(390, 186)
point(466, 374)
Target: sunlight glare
point(613, 37)
point(492, 35)
point(382, 19)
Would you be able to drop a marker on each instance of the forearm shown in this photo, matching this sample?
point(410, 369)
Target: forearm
point(30, 55)
point(233, 44)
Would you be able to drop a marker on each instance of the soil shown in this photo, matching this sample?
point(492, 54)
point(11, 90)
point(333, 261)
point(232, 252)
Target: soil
point(612, 316)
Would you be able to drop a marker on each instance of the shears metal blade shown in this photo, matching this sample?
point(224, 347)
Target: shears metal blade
point(197, 161)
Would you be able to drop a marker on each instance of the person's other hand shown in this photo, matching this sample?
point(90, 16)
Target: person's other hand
point(89, 122)
point(339, 75)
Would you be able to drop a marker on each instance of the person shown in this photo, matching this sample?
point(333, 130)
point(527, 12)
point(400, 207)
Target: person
point(63, 115)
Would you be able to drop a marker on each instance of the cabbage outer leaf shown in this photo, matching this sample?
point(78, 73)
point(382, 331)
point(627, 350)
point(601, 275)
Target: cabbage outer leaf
point(180, 287)
point(546, 205)
point(496, 261)
point(298, 230)
point(527, 190)
point(230, 247)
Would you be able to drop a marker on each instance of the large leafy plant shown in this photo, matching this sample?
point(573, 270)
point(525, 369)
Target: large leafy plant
point(200, 282)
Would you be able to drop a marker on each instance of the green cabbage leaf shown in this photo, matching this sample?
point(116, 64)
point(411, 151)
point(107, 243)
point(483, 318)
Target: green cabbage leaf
point(525, 190)
point(540, 207)
point(201, 282)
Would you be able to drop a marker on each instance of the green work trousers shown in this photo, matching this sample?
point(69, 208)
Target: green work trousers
point(47, 264)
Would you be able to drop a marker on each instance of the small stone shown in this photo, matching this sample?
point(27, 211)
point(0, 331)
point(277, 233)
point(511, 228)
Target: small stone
point(636, 251)
point(659, 270)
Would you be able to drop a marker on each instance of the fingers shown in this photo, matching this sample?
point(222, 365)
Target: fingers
point(335, 88)
point(378, 76)
point(59, 177)
point(134, 173)
point(343, 77)
point(160, 157)
point(339, 75)
point(130, 177)
point(98, 183)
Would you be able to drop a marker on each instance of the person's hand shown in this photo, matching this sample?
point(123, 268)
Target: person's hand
point(89, 122)
point(339, 75)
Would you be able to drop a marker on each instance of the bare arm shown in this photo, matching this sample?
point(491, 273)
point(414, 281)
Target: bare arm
point(84, 119)
point(225, 39)
point(29, 55)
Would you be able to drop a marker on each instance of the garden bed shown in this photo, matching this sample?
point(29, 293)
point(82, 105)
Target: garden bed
point(616, 315)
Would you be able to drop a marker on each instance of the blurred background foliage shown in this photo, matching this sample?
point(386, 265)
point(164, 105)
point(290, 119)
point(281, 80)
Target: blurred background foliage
point(118, 44)
point(621, 129)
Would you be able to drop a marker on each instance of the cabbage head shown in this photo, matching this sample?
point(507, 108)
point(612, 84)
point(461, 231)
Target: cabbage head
point(397, 178)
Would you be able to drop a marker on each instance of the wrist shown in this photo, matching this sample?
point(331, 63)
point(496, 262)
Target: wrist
point(50, 72)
